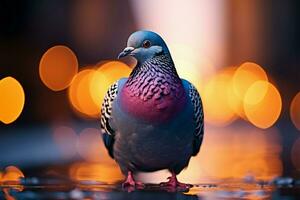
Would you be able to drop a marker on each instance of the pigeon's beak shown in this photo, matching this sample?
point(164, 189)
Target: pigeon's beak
point(125, 52)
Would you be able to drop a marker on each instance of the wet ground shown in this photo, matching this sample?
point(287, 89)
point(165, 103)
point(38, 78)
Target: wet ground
point(230, 154)
point(34, 188)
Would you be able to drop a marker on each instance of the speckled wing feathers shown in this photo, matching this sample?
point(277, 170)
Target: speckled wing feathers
point(198, 117)
point(107, 131)
point(107, 107)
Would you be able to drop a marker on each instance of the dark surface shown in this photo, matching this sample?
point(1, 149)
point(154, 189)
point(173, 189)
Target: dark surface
point(34, 188)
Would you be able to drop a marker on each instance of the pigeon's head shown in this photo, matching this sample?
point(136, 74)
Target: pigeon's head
point(143, 45)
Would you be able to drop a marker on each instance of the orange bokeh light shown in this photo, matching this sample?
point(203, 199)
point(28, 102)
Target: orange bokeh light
point(66, 139)
point(224, 94)
point(114, 69)
point(295, 154)
point(245, 76)
point(57, 67)
point(12, 100)
point(266, 112)
point(80, 96)
point(234, 102)
point(108, 173)
point(106, 75)
point(216, 103)
point(90, 85)
point(90, 145)
point(295, 111)
point(12, 174)
point(98, 87)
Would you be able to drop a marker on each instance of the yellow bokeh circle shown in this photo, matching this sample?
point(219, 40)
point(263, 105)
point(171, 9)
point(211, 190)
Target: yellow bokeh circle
point(80, 96)
point(12, 100)
point(247, 74)
point(216, 104)
point(264, 113)
point(106, 74)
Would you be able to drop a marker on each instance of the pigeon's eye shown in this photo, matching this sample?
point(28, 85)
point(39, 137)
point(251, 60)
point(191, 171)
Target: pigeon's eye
point(146, 44)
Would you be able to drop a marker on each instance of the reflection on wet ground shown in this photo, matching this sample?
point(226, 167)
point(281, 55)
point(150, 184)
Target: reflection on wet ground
point(72, 163)
point(34, 188)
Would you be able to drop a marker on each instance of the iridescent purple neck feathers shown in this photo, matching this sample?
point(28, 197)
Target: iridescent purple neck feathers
point(154, 90)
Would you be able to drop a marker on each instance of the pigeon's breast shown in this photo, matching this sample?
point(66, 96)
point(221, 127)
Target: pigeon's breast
point(153, 102)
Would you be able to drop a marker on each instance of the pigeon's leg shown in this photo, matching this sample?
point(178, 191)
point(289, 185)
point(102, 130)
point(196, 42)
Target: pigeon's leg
point(130, 182)
point(174, 183)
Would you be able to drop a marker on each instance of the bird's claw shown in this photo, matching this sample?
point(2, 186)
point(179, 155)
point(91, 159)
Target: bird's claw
point(130, 184)
point(173, 184)
point(136, 184)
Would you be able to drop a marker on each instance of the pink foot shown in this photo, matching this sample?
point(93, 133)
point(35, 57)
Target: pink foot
point(131, 184)
point(174, 184)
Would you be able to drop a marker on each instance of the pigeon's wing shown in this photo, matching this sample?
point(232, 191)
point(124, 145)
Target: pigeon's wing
point(198, 118)
point(107, 130)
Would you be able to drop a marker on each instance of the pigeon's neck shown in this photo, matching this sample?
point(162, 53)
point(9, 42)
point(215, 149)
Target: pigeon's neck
point(162, 63)
point(156, 76)
point(154, 90)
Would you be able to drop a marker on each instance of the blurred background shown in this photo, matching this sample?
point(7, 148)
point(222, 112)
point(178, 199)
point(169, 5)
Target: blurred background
point(57, 59)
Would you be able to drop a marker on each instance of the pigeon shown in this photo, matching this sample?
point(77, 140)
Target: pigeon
point(153, 119)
